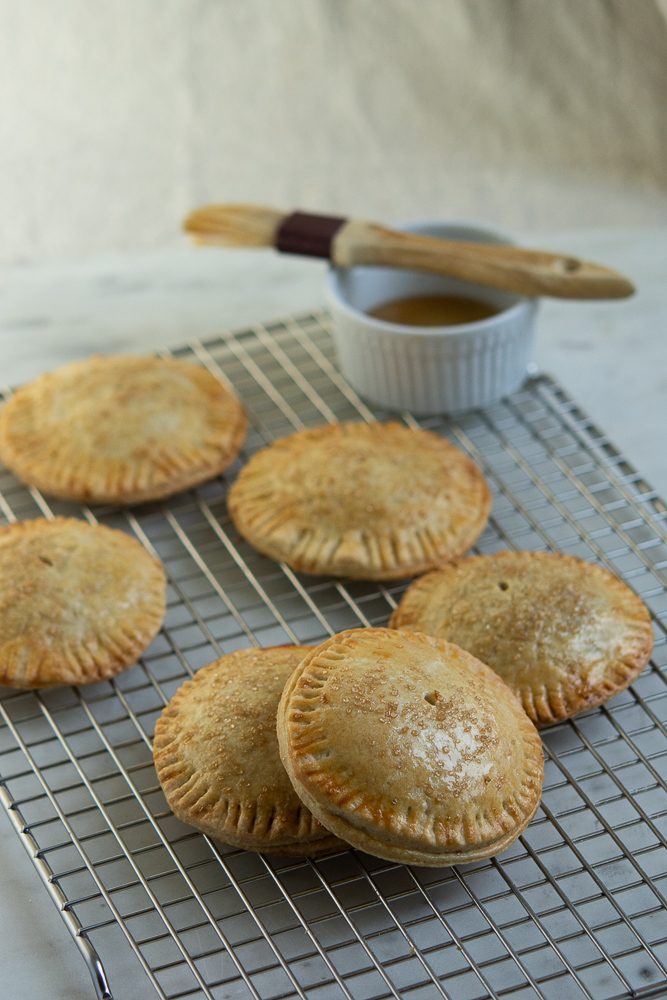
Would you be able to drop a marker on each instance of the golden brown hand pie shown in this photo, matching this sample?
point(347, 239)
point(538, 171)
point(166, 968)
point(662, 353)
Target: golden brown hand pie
point(409, 748)
point(121, 429)
point(368, 501)
point(565, 635)
point(78, 602)
point(216, 755)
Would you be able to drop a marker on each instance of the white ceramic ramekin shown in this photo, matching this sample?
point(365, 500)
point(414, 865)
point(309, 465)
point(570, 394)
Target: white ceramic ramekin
point(436, 369)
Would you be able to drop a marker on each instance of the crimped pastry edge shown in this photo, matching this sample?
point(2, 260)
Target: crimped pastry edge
point(357, 837)
point(189, 480)
point(315, 847)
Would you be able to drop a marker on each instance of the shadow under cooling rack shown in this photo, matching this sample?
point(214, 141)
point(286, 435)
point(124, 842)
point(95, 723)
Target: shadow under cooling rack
point(576, 908)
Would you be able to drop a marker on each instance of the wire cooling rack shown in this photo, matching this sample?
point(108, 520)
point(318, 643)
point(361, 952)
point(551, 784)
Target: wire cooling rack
point(575, 908)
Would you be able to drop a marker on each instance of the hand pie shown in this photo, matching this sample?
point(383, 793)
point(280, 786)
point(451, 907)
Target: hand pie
point(216, 756)
point(409, 748)
point(564, 634)
point(78, 602)
point(121, 429)
point(368, 501)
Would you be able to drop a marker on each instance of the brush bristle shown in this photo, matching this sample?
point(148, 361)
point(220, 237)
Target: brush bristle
point(234, 225)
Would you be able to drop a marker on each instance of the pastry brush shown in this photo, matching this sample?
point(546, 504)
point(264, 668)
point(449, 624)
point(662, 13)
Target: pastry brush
point(353, 242)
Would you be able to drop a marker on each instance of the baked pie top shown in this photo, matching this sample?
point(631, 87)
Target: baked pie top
point(564, 634)
point(121, 429)
point(216, 755)
point(78, 602)
point(409, 748)
point(370, 501)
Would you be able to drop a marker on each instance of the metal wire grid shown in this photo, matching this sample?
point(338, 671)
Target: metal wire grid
point(575, 908)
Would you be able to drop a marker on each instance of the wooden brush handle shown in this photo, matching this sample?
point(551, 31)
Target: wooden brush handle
point(525, 272)
point(349, 242)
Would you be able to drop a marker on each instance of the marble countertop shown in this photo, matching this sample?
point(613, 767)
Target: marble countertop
point(611, 356)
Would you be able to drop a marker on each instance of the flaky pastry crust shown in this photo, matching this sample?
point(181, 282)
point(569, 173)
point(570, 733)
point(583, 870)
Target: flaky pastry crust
point(368, 501)
point(564, 634)
point(409, 748)
point(78, 602)
point(216, 755)
point(121, 429)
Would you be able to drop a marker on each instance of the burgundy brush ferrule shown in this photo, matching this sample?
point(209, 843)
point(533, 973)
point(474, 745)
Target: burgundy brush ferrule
point(307, 234)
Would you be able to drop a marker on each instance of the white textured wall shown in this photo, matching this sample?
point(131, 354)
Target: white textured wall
point(118, 116)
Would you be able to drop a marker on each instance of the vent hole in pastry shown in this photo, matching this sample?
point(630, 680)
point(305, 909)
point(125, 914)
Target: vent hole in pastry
point(45, 560)
point(432, 697)
point(503, 585)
